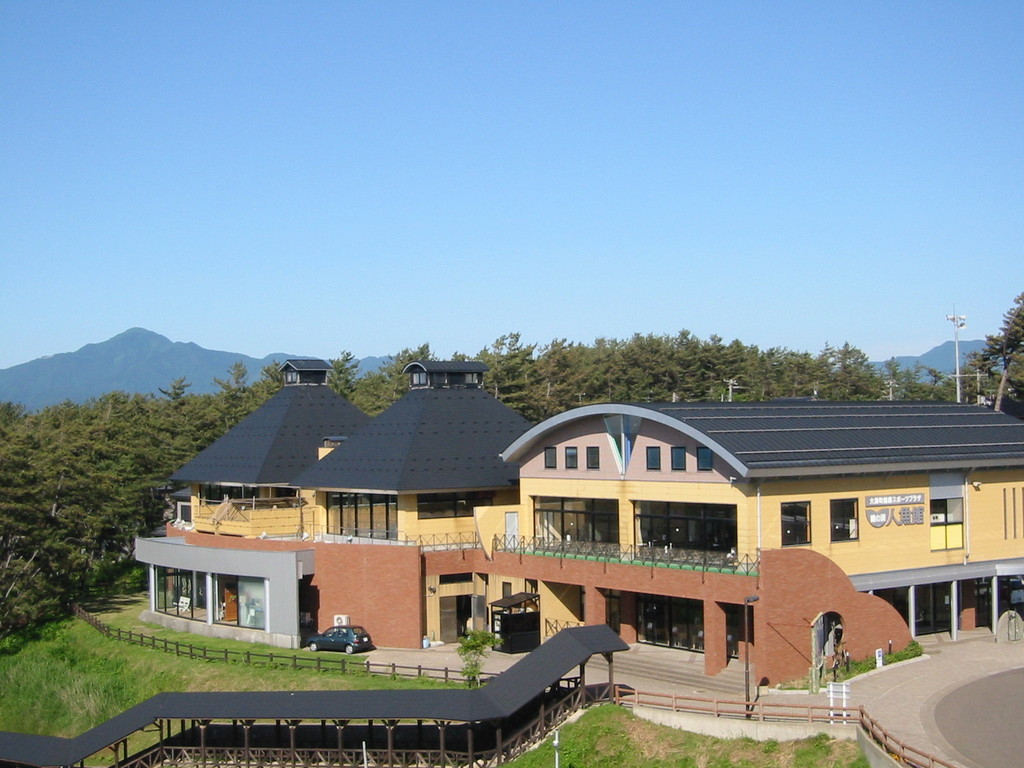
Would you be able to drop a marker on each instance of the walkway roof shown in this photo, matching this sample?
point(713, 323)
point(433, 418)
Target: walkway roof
point(500, 697)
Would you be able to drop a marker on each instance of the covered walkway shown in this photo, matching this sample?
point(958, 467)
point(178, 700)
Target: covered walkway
point(486, 725)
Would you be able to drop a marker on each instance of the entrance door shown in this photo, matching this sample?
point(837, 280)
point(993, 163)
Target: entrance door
point(456, 617)
point(511, 524)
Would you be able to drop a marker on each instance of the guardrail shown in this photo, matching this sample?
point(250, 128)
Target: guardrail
point(320, 663)
point(656, 556)
point(763, 711)
point(767, 711)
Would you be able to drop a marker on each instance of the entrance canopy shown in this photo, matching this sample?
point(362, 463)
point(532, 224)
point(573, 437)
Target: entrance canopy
point(515, 600)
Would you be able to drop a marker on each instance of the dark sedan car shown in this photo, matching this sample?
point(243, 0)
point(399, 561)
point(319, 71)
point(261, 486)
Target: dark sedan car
point(345, 638)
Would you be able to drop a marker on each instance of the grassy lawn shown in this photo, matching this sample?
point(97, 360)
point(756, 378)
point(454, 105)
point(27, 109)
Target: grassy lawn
point(70, 678)
point(611, 737)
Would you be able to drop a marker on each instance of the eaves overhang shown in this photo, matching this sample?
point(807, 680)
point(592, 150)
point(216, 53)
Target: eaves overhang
point(880, 467)
point(529, 439)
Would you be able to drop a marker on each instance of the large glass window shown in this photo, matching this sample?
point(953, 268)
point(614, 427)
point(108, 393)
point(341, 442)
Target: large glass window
point(947, 523)
point(796, 523)
point(434, 505)
point(686, 525)
point(844, 519)
point(677, 622)
point(569, 519)
point(368, 515)
point(241, 601)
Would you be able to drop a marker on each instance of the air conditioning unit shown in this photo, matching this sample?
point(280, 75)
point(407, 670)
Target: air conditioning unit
point(341, 619)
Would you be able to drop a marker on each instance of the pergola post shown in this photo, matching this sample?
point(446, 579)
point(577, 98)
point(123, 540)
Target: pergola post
point(390, 724)
point(247, 740)
point(609, 657)
point(441, 725)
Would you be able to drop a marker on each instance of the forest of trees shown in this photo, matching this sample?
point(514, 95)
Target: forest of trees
point(78, 482)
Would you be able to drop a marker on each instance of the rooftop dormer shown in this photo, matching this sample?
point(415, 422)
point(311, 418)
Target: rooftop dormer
point(445, 374)
point(304, 371)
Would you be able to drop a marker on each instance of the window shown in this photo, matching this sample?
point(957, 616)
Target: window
point(572, 458)
point(569, 519)
point(947, 523)
point(455, 578)
point(678, 458)
point(550, 458)
point(654, 457)
point(593, 457)
point(369, 515)
point(796, 523)
point(433, 505)
point(686, 525)
point(704, 461)
point(844, 519)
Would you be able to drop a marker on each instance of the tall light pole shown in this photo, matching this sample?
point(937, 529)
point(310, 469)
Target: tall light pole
point(746, 650)
point(958, 321)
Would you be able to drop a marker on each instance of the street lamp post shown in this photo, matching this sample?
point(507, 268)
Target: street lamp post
point(958, 321)
point(746, 650)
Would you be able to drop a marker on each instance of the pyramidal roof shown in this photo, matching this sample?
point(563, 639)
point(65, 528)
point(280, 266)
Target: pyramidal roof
point(430, 440)
point(278, 440)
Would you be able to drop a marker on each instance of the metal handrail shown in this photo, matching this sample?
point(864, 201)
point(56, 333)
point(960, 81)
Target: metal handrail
point(636, 554)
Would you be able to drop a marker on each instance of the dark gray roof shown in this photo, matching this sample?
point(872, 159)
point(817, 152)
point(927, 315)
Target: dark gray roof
point(815, 434)
point(448, 366)
point(500, 697)
point(787, 437)
point(306, 364)
point(277, 441)
point(431, 439)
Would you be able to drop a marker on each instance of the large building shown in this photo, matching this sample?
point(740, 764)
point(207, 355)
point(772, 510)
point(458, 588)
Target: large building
point(792, 529)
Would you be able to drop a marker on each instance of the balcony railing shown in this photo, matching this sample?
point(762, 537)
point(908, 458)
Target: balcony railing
point(278, 517)
point(430, 542)
point(658, 556)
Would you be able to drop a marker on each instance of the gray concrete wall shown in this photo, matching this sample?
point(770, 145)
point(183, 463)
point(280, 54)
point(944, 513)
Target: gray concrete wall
point(729, 728)
point(224, 631)
point(874, 754)
point(282, 570)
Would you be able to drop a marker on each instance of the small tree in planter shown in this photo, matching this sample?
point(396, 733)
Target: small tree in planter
point(473, 649)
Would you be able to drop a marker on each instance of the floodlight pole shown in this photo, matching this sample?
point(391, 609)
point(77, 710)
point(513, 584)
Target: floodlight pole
point(958, 321)
point(746, 650)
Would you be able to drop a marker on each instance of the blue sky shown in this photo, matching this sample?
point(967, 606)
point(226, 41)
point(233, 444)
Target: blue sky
point(311, 177)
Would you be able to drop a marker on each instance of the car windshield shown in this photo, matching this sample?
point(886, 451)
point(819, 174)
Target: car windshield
point(359, 630)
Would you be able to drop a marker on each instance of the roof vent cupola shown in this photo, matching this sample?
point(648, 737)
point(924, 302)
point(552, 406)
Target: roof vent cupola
point(445, 374)
point(304, 371)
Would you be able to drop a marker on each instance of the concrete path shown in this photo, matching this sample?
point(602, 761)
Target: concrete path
point(905, 697)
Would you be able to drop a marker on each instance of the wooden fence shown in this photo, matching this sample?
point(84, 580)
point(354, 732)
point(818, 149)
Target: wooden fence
point(320, 663)
point(770, 711)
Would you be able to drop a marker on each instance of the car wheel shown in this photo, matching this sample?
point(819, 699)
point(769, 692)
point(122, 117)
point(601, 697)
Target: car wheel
point(314, 647)
point(350, 649)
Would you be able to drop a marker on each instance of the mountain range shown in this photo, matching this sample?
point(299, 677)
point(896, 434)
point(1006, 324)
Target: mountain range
point(137, 360)
point(142, 361)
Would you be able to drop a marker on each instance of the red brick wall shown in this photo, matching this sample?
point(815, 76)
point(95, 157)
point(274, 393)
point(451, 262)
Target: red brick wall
point(797, 585)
